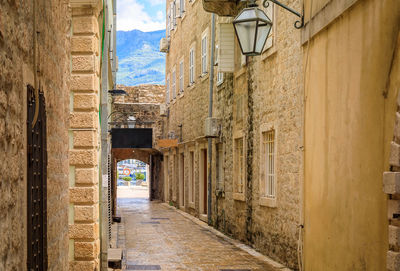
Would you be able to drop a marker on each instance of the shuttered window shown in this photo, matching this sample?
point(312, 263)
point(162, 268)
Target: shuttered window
point(168, 23)
point(173, 85)
point(204, 54)
point(270, 13)
point(182, 7)
point(226, 54)
point(174, 13)
point(181, 77)
point(167, 91)
point(172, 16)
point(191, 66)
point(239, 165)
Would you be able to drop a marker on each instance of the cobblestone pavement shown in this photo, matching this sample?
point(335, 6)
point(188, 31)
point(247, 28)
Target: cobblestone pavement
point(156, 237)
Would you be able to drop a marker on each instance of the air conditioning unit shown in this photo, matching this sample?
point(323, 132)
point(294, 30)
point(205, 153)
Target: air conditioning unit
point(171, 135)
point(164, 45)
point(163, 110)
point(212, 127)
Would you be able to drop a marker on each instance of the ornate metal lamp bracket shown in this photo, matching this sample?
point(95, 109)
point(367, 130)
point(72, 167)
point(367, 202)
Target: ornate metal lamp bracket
point(298, 24)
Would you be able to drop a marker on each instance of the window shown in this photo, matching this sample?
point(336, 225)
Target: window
point(173, 84)
point(172, 16)
point(204, 54)
point(220, 78)
point(174, 13)
point(182, 7)
point(167, 91)
point(191, 181)
point(191, 66)
point(181, 78)
point(239, 167)
point(220, 168)
point(270, 40)
point(168, 23)
point(268, 167)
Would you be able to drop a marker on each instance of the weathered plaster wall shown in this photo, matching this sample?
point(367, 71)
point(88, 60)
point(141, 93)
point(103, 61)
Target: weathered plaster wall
point(16, 69)
point(349, 126)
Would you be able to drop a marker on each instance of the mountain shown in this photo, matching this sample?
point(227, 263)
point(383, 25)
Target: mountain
point(139, 58)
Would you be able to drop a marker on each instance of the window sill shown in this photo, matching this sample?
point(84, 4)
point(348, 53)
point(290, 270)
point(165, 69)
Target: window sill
point(191, 86)
point(268, 202)
point(183, 16)
point(240, 72)
point(239, 196)
point(204, 77)
point(181, 94)
point(269, 52)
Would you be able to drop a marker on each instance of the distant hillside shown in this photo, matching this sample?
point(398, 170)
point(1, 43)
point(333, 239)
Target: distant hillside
point(139, 58)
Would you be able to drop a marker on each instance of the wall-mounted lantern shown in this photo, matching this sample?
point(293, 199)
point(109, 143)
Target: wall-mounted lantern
point(252, 26)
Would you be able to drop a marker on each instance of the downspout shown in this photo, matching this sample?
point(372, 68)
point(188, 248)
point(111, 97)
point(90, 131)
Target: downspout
point(104, 238)
point(210, 114)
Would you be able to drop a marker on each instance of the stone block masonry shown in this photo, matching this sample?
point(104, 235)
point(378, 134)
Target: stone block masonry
point(16, 72)
point(85, 134)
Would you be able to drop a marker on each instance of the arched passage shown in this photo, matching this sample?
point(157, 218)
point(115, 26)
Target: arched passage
point(151, 157)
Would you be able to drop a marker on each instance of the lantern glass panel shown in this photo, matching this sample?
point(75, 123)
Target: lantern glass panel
point(246, 32)
point(263, 31)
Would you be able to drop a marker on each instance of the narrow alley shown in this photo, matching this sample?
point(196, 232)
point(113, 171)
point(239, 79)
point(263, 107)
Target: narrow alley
point(155, 236)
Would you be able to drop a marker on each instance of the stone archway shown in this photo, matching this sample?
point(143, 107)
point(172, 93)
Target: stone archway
point(152, 157)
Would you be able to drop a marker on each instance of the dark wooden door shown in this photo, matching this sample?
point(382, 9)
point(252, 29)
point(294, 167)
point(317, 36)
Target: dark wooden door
point(37, 183)
point(205, 180)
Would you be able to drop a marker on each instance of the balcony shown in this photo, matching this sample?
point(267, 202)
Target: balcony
point(223, 7)
point(164, 45)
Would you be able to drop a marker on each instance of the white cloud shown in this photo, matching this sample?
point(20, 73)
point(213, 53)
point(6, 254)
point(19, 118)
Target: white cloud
point(132, 15)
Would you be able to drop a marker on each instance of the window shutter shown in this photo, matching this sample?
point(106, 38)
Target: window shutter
point(178, 7)
point(168, 22)
point(226, 61)
point(172, 19)
point(270, 40)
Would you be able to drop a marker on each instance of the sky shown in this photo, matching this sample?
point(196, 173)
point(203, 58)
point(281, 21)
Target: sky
point(144, 15)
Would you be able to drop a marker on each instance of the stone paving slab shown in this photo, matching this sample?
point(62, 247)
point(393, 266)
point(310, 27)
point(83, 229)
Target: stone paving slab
point(179, 242)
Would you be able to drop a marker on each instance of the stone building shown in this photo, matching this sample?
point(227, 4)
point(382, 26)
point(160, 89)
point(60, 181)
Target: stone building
point(259, 114)
point(140, 108)
point(51, 81)
point(306, 130)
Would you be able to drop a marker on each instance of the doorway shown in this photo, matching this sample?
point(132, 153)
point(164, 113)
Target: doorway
point(203, 181)
point(133, 178)
point(182, 180)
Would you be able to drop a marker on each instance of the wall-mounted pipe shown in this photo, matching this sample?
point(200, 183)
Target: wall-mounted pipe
point(210, 114)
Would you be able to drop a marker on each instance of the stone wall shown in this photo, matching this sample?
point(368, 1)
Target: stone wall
point(142, 94)
point(84, 140)
point(17, 71)
point(262, 91)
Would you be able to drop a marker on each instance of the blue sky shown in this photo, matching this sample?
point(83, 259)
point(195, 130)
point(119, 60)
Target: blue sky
point(144, 15)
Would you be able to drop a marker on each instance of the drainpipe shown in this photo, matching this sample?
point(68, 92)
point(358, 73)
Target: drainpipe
point(210, 114)
point(104, 238)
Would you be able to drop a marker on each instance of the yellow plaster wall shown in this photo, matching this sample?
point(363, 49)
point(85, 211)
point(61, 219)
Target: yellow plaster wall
point(349, 126)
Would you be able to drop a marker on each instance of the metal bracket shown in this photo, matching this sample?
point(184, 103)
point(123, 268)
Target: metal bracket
point(298, 24)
